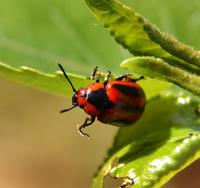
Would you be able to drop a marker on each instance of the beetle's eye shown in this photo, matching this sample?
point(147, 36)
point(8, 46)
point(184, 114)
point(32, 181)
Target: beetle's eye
point(81, 106)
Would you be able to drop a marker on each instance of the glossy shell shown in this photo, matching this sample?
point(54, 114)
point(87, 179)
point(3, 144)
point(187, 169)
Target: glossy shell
point(119, 103)
point(128, 103)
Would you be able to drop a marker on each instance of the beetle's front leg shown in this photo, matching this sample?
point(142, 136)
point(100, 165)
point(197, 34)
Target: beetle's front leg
point(88, 122)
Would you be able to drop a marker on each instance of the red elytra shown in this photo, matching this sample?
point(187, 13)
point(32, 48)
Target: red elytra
point(120, 102)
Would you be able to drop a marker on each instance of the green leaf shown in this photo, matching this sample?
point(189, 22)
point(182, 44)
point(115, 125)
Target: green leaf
point(54, 83)
point(33, 42)
point(172, 45)
point(57, 84)
point(142, 38)
point(152, 87)
point(126, 26)
point(158, 68)
point(181, 24)
point(177, 62)
point(152, 151)
point(54, 33)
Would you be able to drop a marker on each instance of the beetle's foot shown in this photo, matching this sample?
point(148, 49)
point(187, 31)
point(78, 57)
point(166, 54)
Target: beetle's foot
point(97, 79)
point(81, 131)
point(88, 122)
point(127, 182)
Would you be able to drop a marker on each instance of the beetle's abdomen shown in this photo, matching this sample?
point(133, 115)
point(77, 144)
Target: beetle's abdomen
point(128, 103)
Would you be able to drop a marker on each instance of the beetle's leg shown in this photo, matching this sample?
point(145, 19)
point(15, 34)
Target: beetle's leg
point(127, 182)
point(85, 124)
point(140, 78)
point(107, 78)
point(94, 75)
point(125, 76)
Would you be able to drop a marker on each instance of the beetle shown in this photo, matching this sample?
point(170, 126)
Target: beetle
point(120, 102)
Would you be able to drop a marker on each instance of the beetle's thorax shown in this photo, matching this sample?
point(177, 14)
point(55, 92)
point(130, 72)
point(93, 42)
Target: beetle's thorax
point(91, 99)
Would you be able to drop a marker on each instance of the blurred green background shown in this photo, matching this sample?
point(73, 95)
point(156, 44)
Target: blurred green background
point(39, 146)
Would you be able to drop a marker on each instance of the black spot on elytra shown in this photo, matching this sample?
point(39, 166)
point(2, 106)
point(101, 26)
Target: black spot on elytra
point(129, 91)
point(99, 99)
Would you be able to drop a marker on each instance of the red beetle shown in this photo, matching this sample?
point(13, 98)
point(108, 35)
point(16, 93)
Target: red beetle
point(120, 102)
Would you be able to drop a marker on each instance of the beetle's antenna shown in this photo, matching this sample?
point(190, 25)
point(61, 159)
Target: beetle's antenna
point(62, 69)
point(66, 110)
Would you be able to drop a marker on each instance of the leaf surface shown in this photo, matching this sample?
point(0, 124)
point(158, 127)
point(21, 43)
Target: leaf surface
point(153, 150)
